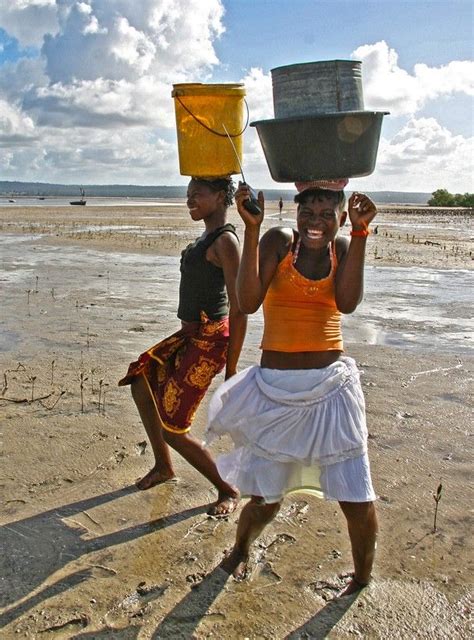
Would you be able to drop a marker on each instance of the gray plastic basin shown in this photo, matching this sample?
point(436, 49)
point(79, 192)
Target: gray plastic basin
point(340, 145)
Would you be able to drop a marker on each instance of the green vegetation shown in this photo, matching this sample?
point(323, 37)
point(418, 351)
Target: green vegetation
point(442, 198)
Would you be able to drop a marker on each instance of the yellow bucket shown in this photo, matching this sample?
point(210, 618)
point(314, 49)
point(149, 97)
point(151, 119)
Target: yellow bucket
point(203, 114)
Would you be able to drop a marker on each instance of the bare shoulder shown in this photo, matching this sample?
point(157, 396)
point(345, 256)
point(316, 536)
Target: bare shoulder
point(277, 240)
point(274, 246)
point(227, 242)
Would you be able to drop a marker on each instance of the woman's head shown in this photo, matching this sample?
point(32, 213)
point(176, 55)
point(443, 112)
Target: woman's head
point(226, 185)
point(207, 198)
point(320, 213)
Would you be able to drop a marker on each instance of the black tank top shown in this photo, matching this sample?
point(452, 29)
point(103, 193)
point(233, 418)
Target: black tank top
point(202, 285)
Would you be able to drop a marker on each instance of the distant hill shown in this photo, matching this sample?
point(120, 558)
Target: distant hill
point(141, 191)
point(97, 190)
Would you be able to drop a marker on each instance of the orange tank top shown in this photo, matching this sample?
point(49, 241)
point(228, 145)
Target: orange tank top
point(301, 314)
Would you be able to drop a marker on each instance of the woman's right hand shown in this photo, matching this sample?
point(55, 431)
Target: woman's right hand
point(241, 195)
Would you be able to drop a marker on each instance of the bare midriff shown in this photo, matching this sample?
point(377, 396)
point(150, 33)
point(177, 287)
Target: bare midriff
point(298, 360)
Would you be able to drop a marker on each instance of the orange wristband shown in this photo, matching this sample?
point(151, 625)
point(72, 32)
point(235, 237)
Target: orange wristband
point(360, 233)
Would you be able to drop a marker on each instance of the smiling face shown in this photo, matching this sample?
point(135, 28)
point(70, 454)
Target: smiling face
point(202, 201)
point(318, 220)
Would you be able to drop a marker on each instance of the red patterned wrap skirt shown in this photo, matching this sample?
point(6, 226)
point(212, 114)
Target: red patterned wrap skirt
point(179, 369)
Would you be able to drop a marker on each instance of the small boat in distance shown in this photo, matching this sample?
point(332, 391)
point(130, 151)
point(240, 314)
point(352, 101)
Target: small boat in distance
point(82, 200)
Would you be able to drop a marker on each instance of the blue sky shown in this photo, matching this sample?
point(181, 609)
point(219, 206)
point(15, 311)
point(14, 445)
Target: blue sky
point(85, 86)
point(433, 31)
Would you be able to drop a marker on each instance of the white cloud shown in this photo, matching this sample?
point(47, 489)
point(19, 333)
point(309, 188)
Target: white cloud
point(388, 87)
point(123, 154)
point(15, 127)
point(129, 156)
point(125, 39)
point(259, 97)
point(133, 47)
point(29, 20)
point(424, 156)
point(20, 77)
point(102, 103)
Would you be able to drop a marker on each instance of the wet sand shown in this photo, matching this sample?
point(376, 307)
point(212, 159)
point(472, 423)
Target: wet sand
point(88, 556)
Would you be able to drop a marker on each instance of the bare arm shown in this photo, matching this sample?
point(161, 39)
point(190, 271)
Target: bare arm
point(227, 253)
point(350, 273)
point(259, 259)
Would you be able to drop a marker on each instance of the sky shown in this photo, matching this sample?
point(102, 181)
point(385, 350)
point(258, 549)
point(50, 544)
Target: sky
point(85, 86)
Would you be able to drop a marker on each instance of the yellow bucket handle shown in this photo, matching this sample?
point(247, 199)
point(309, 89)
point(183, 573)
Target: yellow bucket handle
point(217, 133)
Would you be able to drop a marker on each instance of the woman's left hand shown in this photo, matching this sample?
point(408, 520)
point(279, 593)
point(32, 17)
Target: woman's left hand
point(361, 210)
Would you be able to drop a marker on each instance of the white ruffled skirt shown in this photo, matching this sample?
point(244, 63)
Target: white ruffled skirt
point(294, 430)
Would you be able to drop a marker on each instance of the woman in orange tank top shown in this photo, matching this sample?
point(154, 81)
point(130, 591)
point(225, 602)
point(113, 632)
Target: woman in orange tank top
point(298, 419)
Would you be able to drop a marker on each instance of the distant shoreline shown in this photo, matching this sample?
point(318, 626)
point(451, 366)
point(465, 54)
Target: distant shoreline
point(17, 189)
point(26, 201)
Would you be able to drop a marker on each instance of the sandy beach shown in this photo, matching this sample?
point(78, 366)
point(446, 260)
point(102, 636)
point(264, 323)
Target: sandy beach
point(86, 555)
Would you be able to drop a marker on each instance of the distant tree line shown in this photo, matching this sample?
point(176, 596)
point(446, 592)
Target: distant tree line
point(442, 198)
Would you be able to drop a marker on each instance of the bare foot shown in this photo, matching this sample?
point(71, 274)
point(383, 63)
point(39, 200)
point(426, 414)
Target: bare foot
point(224, 505)
point(354, 586)
point(154, 477)
point(235, 563)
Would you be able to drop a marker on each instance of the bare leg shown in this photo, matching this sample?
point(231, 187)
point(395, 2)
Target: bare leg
point(253, 519)
point(163, 468)
point(362, 525)
point(200, 458)
point(191, 449)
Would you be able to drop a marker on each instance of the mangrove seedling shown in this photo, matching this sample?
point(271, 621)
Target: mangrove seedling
point(32, 380)
point(83, 379)
point(5, 382)
point(101, 382)
point(437, 498)
point(103, 398)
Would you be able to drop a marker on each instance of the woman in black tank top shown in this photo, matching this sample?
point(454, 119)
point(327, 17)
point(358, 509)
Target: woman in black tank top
point(169, 380)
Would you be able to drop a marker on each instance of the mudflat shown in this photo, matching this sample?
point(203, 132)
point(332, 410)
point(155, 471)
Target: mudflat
point(87, 555)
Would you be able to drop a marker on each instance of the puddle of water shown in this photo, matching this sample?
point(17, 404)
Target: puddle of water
point(403, 307)
point(8, 339)
point(412, 308)
point(17, 239)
